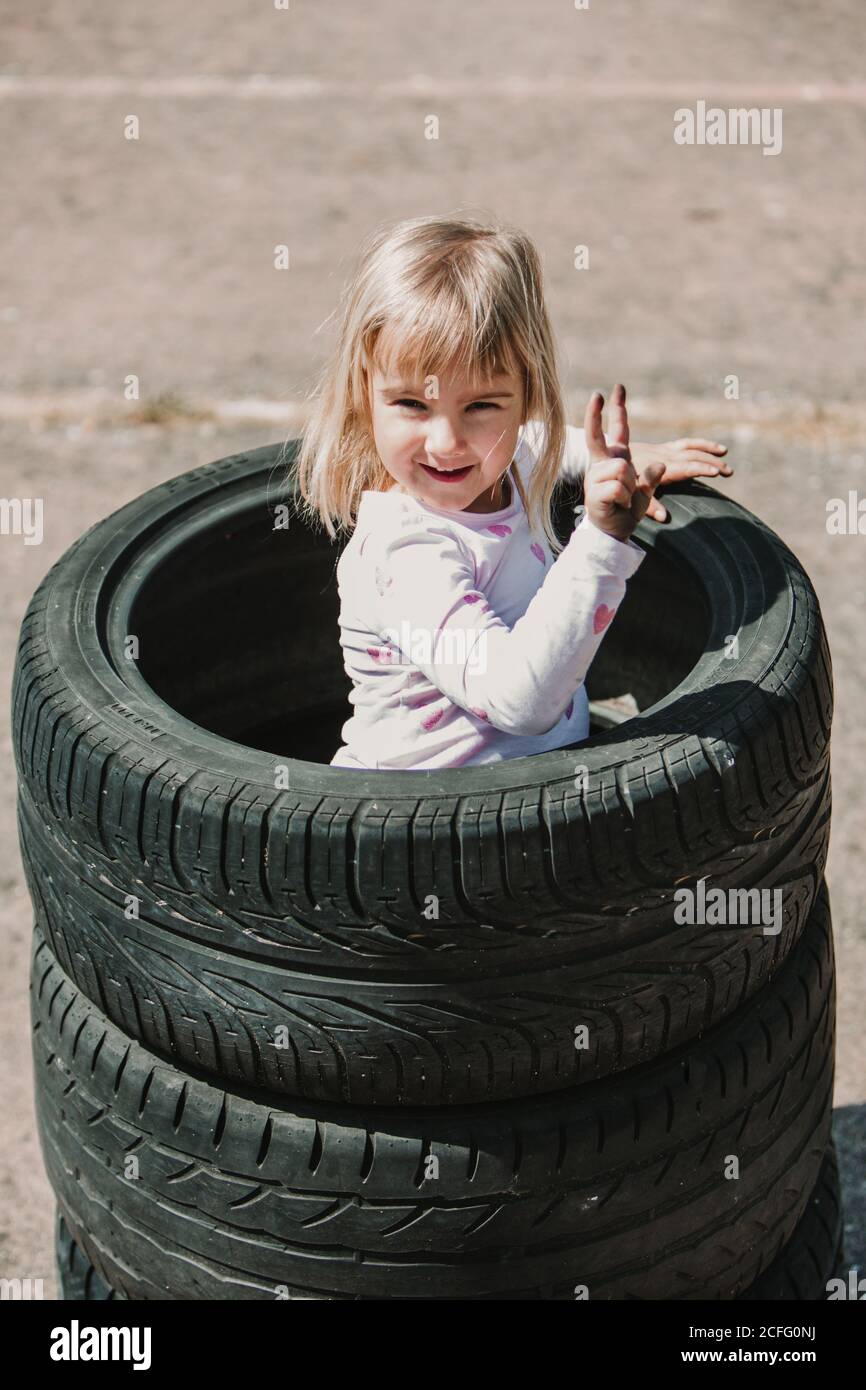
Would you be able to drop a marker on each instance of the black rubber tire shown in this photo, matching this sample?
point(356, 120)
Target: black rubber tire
point(79, 1281)
point(800, 1272)
point(313, 909)
point(617, 1185)
point(219, 1010)
point(814, 1254)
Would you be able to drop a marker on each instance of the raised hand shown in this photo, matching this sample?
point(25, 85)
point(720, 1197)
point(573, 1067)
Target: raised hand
point(616, 498)
point(682, 459)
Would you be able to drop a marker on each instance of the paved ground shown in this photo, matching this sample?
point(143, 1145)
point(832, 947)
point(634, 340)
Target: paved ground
point(260, 127)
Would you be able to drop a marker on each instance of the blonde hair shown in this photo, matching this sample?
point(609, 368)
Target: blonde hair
point(431, 294)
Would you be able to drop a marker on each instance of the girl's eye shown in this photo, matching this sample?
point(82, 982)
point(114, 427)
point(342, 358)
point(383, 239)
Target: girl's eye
point(481, 405)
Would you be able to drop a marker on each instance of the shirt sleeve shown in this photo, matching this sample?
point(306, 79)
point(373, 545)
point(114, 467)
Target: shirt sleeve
point(520, 678)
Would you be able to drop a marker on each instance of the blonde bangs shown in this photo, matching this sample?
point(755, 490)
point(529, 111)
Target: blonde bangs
point(445, 327)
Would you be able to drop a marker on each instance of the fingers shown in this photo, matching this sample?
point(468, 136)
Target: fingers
point(708, 462)
point(618, 416)
point(595, 440)
point(680, 470)
point(643, 493)
point(616, 444)
point(691, 468)
point(709, 444)
point(703, 451)
point(650, 478)
point(615, 493)
point(656, 510)
point(620, 470)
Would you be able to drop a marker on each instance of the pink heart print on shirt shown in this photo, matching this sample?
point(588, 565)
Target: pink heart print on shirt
point(602, 617)
point(479, 713)
point(431, 720)
point(385, 656)
point(538, 551)
point(499, 529)
point(477, 598)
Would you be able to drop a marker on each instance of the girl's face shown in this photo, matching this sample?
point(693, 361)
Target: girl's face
point(468, 435)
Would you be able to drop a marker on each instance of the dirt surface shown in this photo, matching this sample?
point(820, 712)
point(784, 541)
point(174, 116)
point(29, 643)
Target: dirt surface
point(154, 258)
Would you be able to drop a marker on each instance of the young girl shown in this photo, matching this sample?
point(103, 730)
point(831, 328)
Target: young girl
point(438, 432)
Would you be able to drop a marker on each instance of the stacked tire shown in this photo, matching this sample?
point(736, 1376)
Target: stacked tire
point(306, 1032)
point(799, 1272)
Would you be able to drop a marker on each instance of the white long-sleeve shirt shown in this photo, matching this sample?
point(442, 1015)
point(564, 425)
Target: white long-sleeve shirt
point(465, 641)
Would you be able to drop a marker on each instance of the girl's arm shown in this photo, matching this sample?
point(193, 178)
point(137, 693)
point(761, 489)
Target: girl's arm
point(517, 678)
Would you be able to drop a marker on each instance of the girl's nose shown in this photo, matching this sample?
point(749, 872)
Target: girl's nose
point(443, 439)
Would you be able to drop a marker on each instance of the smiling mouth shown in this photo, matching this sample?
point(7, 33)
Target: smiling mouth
point(449, 475)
